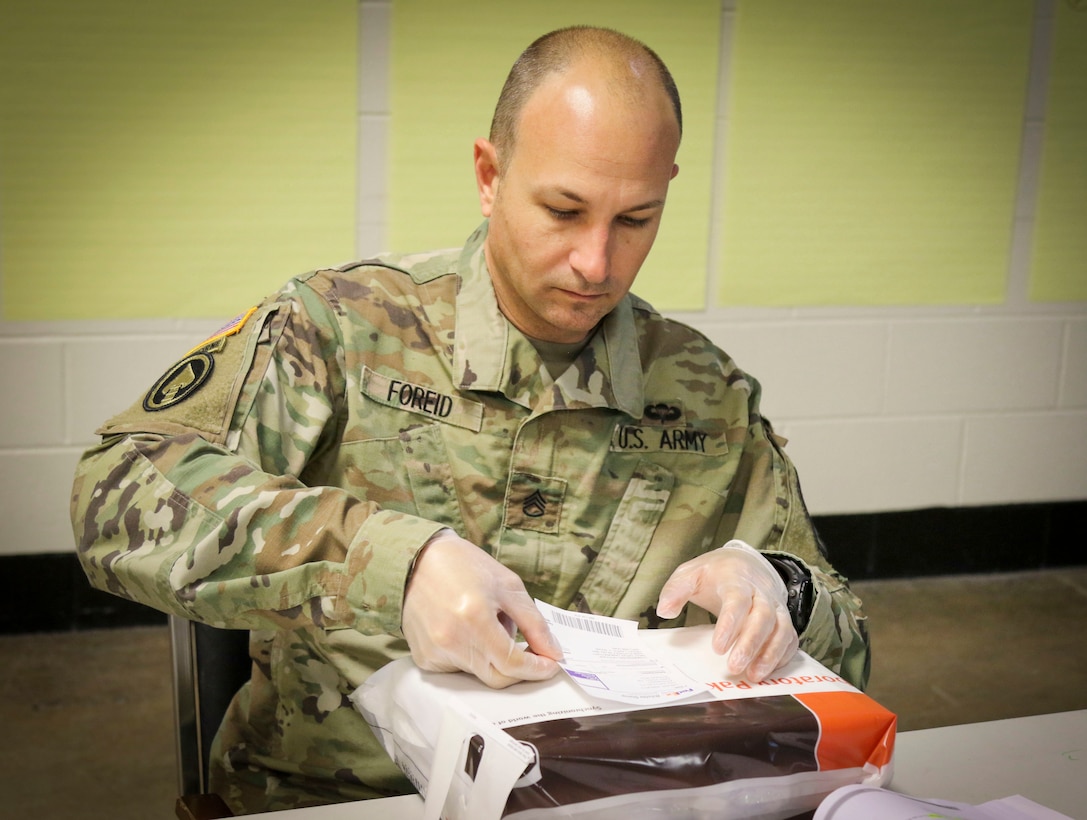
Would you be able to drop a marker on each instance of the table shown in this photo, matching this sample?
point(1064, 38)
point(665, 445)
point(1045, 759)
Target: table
point(1043, 758)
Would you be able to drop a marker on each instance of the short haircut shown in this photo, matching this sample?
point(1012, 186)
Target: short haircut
point(553, 53)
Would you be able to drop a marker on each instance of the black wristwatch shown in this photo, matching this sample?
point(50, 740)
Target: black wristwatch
point(799, 586)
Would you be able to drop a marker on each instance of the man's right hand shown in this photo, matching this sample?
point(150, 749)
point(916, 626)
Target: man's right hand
point(462, 610)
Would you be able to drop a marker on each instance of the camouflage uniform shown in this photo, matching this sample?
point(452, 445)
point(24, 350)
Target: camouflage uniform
point(282, 477)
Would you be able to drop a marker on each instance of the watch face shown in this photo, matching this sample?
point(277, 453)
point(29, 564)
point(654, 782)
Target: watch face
point(799, 586)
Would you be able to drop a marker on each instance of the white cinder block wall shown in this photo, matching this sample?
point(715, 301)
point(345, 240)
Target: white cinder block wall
point(885, 409)
point(888, 410)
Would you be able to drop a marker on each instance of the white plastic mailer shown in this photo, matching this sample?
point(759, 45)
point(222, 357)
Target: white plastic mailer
point(549, 749)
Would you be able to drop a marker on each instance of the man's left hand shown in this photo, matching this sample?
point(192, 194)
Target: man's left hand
point(738, 585)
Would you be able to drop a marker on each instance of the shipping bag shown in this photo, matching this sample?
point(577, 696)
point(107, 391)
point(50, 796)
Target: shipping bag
point(549, 749)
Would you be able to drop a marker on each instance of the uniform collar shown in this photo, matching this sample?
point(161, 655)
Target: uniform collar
point(491, 354)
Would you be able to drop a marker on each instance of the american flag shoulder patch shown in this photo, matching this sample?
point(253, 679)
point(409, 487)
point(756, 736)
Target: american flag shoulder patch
point(229, 329)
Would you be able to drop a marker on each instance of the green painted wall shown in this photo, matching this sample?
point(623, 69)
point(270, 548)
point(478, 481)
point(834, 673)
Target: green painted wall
point(172, 160)
point(874, 152)
point(184, 160)
point(1059, 272)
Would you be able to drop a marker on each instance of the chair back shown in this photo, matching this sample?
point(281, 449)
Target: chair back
point(209, 667)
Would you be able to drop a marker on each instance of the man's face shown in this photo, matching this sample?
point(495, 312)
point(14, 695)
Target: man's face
point(579, 203)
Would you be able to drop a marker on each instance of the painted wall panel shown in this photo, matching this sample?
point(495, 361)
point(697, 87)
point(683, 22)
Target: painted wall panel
point(873, 150)
point(1059, 271)
point(172, 160)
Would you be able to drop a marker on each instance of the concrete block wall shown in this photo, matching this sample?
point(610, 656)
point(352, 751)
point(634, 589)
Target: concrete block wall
point(60, 381)
point(891, 410)
point(885, 409)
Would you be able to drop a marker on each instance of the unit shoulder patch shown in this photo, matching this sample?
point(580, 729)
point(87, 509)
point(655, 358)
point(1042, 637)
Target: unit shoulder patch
point(179, 382)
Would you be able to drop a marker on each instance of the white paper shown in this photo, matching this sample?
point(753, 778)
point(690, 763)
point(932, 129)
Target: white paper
point(865, 802)
point(561, 697)
point(607, 659)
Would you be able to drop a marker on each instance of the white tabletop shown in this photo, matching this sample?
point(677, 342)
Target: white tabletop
point(1043, 758)
point(408, 807)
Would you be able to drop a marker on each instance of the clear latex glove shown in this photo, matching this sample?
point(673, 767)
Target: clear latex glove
point(462, 610)
point(738, 585)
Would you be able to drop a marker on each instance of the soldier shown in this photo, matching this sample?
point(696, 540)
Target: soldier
point(398, 455)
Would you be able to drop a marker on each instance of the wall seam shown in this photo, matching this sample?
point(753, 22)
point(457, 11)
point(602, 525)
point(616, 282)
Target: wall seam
point(1017, 283)
point(715, 246)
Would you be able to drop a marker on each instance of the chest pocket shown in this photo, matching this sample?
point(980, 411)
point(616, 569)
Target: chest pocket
point(430, 476)
point(399, 457)
point(636, 519)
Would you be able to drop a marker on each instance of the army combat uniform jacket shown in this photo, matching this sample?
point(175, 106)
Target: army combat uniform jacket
point(283, 475)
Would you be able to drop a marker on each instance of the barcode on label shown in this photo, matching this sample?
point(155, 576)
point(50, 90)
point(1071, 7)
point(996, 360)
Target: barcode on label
point(587, 624)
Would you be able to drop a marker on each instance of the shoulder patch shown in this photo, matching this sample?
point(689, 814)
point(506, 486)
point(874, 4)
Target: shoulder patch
point(229, 329)
point(179, 382)
point(201, 392)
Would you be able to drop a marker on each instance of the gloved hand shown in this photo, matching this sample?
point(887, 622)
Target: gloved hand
point(462, 610)
point(738, 585)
